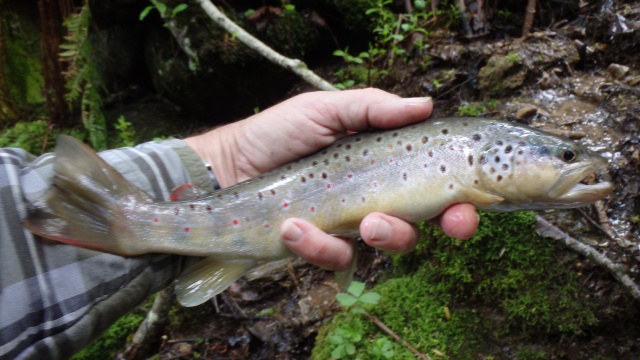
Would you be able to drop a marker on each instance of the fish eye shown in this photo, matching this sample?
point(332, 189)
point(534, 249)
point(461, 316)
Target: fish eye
point(568, 155)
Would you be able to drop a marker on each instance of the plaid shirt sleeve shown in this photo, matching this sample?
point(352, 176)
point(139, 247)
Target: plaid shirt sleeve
point(56, 298)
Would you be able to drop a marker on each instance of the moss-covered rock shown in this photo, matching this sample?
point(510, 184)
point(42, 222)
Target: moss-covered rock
point(505, 282)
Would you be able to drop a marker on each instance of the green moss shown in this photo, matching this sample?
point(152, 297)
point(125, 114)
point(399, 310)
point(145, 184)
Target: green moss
point(291, 35)
point(506, 283)
point(31, 136)
point(113, 340)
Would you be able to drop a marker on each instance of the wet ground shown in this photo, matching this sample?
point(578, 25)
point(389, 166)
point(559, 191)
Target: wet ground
point(581, 86)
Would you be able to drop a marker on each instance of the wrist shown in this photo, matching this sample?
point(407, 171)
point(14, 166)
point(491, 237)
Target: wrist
point(215, 151)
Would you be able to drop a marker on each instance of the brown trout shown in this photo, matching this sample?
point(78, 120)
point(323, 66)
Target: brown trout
point(413, 173)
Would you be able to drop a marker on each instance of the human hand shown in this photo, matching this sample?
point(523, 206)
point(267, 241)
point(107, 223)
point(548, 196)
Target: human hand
point(303, 125)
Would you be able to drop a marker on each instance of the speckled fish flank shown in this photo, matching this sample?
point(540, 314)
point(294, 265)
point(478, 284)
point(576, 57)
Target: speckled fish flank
point(413, 173)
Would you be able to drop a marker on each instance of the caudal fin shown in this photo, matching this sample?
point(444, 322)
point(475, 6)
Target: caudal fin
point(82, 207)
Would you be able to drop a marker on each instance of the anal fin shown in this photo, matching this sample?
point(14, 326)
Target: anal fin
point(344, 277)
point(208, 278)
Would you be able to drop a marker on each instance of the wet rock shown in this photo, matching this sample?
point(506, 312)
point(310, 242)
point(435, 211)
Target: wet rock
point(526, 112)
point(618, 71)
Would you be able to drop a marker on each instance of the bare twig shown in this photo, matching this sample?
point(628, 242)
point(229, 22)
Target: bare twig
point(545, 228)
point(528, 18)
point(151, 327)
point(295, 65)
point(374, 319)
point(595, 224)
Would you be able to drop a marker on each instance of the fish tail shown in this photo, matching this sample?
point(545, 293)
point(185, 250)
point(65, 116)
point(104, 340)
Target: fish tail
point(83, 205)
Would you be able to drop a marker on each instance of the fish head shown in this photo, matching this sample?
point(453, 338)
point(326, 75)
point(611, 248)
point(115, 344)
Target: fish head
point(531, 169)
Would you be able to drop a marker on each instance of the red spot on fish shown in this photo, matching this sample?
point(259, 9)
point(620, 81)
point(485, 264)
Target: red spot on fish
point(235, 222)
point(285, 205)
point(175, 197)
point(313, 209)
point(266, 226)
point(155, 220)
point(375, 184)
point(187, 229)
point(350, 176)
point(425, 166)
point(209, 209)
point(328, 186)
point(390, 160)
point(344, 200)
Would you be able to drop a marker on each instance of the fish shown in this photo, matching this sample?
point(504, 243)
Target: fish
point(413, 173)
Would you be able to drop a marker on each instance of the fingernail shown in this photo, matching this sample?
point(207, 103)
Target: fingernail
point(477, 219)
point(377, 230)
point(290, 231)
point(417, 100)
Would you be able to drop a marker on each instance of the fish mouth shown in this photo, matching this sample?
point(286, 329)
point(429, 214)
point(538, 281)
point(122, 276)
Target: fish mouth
point(570, 192)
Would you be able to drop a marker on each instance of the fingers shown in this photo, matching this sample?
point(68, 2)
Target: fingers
point(388, 233)
point(460, 221)
point(315, 246)
point(363, 109)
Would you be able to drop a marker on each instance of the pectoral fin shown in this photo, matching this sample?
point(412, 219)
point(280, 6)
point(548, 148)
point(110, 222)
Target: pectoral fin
point(480, 197)
point(208, 278)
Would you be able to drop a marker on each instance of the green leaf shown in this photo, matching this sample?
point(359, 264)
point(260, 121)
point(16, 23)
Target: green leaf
point(336, 339)
point(178, 9)
point(346, 299)
point(338, 352)
point(350, 348)
point(68, 53)
point(145, 12)
point(161, 7)
point(356, 288)
point(420, 4)
point(370, 298)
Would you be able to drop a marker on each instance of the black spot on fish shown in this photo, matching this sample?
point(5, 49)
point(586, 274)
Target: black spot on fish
point(399, 142)
point(394, 134)
point(324, 152)
point(476, 137)
point(378, 139)
point(425, 139)
point(408, 147)
point(365, 152)
point(348, 147)
point(430, 153)
point(499, 143)
point(476, 182)
point(520, 152)
point(443, 169)
point(219, 196)
point(260, 177)
point(339, 146)
point(347, 158)
point(497, 159)
point(324, 175)
point(483, 159)
point(326, 161)
point(283, 177)
point(303, 179)
point(288, 167)
point(470, 159)
point(209, 209)
point(311, 175)
point(450, 186)
point(404, 176)
point(465, 124)
point(499, 178)
point(335, 156)
point(273, 192)
point(235, 194)
point(192, 207)
point(260, 195)
point(363, 199)
point(314, 163)
point(508, 149)
point(445, 131)
point(521, 143)
point(358, 139)
point(492, 170)
point(505, 167)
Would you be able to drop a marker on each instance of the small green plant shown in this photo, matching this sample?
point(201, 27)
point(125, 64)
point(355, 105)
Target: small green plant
point(356, 296)
point(163, 9)
point(382, 348)
point(126, 132)
point(345, 339)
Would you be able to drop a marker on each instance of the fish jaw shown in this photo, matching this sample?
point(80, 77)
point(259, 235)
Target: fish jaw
point(571, 193)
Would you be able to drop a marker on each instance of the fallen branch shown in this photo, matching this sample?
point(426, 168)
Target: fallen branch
point(295, 65)
point(545, 228)
point(374, 319)
point(151, 327)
